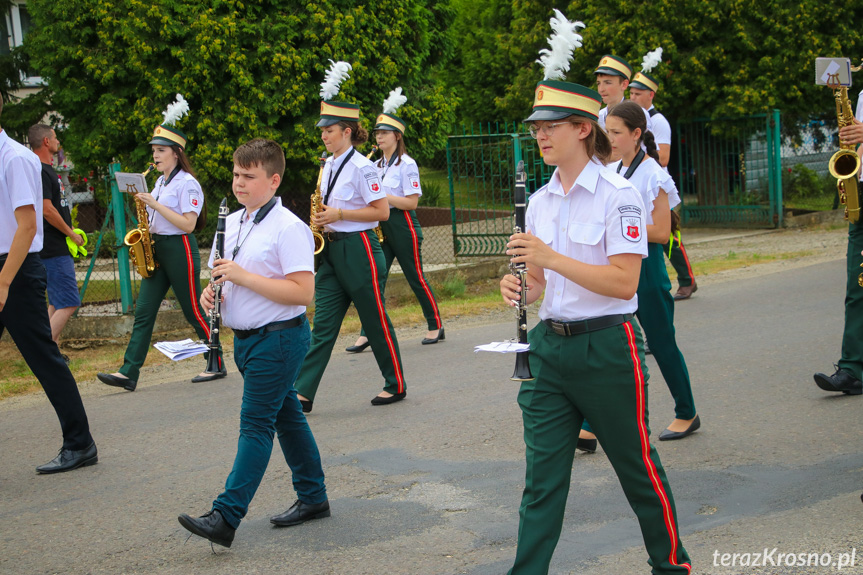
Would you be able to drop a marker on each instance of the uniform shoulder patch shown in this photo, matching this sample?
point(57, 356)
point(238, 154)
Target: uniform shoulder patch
point(630, 227)
point(414, 179)
point(372, 180)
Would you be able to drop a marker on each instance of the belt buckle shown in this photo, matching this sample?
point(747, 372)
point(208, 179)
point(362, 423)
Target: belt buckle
point(558, 327)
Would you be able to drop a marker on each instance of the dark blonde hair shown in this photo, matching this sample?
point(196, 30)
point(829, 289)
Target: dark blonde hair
point(359, 135)
point(261, 152)
point(596, 144)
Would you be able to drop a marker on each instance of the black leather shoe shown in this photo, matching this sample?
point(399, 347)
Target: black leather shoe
point(210, 376)
point(378, 400)
point(115, 381)
point(301, 512)
point(586, 445)
point(440, 337)
point(67, 460)
point(307, 405)
point(839, 381)
point(667, 435)
point(358, 348)
point(211, 526)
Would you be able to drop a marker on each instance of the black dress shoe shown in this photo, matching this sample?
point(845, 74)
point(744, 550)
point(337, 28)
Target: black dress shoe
point(115, 381)
point(307, 405)
point(586, 445)
point(378, 400)
point(211, 526)
point(358, 348)
point(440, 337)
point(839, 381)
point(210, 376)
point(667, 435)
point(67, 460)
point(301, 512)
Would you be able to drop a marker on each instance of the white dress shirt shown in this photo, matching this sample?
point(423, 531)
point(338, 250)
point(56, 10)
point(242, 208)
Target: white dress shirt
point(183, 194)
point(358, 186)
point(278, 245)
point(649, 179)
point(401, 179)
point(602, 215)
point(20, 185)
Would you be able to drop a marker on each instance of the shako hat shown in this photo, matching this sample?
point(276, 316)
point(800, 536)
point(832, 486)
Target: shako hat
point(614, 66)
point(166, 134)
point(554, 98)
point(643, 80)
point(335, 112)
point(388, 120)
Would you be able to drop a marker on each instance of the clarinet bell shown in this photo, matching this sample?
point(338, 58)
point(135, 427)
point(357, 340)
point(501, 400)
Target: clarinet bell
point(522, 367)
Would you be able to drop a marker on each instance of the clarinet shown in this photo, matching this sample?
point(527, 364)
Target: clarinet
point(216, 312)
point(519, 270)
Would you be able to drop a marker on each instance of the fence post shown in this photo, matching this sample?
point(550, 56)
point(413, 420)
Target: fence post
point(125, 277)
point(451, 197)
point(777, 168)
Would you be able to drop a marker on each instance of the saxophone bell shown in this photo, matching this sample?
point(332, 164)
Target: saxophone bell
point(845, 163)
point(317, 205)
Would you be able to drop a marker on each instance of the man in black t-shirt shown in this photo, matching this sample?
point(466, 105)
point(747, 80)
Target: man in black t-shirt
point(63, 296)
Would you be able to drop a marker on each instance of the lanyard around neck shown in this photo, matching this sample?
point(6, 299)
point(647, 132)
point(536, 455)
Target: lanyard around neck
point(334, 180)
point(633, 166)
point(262, 213)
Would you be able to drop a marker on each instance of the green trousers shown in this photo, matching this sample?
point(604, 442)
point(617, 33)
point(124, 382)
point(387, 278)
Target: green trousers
point(179, 269)
point(852, 336)
point(352, 269)
point(404, 238)
point(680, 262)
point(598, 375)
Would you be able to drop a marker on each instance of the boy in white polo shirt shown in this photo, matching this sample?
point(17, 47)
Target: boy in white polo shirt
point(267, 278)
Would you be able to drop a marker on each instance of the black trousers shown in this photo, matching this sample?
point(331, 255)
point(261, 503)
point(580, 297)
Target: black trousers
point(25, 315)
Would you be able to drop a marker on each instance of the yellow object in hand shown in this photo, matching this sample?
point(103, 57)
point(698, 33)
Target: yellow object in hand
point(74, 249)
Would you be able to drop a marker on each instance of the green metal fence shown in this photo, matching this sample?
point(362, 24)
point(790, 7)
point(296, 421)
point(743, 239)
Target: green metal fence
point(729, 171)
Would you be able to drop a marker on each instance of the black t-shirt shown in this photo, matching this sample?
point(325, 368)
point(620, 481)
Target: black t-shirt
point(54, 244)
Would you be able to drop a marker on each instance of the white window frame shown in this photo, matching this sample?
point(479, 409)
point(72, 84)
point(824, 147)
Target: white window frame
point(16, 38)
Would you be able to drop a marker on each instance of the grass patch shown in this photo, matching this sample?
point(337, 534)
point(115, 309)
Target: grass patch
point(732, 260)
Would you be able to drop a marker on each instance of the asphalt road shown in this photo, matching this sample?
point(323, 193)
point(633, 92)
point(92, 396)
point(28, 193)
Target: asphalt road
point(432, 485)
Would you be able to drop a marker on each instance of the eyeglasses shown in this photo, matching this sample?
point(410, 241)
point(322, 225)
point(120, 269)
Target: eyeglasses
point(547, 129)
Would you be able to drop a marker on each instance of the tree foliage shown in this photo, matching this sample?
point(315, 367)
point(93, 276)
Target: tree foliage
point(248, 69)
point(721, 58)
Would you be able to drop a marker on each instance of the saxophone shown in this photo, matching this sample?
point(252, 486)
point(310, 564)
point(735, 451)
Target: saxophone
point(317, 204)
point(139, 241)
point(378, 231)
point(845, 163)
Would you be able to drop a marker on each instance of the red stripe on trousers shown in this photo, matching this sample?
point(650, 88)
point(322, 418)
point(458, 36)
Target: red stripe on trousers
point(191, 276)
point(418, 266)
point(686, 259)
point(668, 516)
point(400, 387)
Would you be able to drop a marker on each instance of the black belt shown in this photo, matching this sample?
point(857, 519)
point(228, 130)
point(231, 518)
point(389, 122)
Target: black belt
point(336, 236)
point(275, 326)
point(586, 325)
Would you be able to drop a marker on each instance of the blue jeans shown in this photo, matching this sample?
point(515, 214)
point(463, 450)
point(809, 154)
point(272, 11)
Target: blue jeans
point(269, 364)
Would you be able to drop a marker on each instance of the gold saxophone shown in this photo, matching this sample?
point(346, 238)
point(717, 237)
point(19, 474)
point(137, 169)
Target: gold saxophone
point(317, 205)
point(378, 231)
point(845, 163)
point(139, 241)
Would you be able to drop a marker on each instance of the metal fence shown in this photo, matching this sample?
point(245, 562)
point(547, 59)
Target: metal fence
point(806, 184)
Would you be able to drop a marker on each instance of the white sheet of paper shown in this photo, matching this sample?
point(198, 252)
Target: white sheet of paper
point(177, 350)
point(831, 69)
point(502, 347)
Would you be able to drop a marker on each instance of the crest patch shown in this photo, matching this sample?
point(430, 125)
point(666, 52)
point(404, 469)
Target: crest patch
point(631, 228)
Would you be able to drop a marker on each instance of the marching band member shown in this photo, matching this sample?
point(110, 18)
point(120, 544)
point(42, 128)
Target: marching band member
point(400, 178)
point(352, 263)
point(267, 275)
point(627, 131)
point(642, 91)
point(175, 209)
point(583, 248)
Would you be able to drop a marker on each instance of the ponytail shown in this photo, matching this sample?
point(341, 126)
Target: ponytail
point(650, 144)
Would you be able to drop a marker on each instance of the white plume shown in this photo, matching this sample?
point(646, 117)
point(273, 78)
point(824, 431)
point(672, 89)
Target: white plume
point(563, 41)
point(176, 111)
point(338, 73)
point(394, 101)
point(651, 60)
